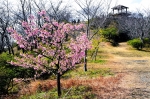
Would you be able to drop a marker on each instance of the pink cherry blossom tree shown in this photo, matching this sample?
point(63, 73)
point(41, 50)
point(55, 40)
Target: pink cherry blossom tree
point(46, 47)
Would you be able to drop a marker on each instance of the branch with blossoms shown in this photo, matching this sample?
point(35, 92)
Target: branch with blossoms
point(51, 46)
point(47, 49)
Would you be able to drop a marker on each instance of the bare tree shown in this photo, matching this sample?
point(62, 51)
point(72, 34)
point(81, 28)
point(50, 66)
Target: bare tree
point(92, 10)
point(55, 10)
point(5, 22)
point(137, 24)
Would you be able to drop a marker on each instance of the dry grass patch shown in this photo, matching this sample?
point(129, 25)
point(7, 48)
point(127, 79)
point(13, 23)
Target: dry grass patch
point(99, 87)
point(38, 85)
point(102, 87)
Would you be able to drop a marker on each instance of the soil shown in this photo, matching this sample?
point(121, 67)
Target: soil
point(135, 65)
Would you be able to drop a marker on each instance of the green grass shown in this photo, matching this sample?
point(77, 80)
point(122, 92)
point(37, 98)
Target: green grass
point(91, 73)
point(97, 61)
point(75, 92)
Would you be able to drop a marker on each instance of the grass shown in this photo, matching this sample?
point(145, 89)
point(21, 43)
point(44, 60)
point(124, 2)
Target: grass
point(91, 73)
point(81, 89)
point(98, 81)
point(132, 53)
point(76, 84)
point(75, 92)
point(97, 61)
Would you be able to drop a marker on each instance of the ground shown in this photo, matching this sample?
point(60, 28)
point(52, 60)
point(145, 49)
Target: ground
point(135, 65)
point(131, 79)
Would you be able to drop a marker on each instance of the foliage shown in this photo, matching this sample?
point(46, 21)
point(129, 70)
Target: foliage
point(146, 42)
point(8, 72)
point(135, 43)
point(47, 49)
point(110, 33)
point(95, 44)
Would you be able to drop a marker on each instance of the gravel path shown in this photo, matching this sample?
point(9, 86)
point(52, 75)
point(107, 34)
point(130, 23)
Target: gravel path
point(136, 67)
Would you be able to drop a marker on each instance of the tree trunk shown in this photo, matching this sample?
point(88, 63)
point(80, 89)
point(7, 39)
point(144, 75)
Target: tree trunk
point(2, 43)
point(85, 61)
point(142, 40)
point(58, 85)
point(94, 55)
point(12, 50)
point(142, 43)
point(87, 34)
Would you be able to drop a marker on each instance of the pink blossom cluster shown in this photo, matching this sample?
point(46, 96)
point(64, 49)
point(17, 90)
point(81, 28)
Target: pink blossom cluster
point(42, 13)
point(52, 49)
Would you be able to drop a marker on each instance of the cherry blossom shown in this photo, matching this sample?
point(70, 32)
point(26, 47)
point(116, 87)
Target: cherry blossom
point(46, 46)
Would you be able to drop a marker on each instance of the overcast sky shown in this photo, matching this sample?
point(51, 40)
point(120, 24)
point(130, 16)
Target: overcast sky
point(133, 5)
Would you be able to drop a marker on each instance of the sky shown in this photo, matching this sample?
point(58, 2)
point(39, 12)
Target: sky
point(134, 5)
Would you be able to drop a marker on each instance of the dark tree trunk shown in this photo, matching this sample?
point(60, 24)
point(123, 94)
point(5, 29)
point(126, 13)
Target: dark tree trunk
point(142, 43)
point(58, 85)
point(23, 50)
point(87, 34)
point(58, 79)
point(85, 61)
point(2, 43)
point(11, 50)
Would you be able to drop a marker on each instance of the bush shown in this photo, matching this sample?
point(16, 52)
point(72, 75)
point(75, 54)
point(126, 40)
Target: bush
point(6, 80)
point(8, 72)
point(146, 42)
point(111, 34)
point(135, 43)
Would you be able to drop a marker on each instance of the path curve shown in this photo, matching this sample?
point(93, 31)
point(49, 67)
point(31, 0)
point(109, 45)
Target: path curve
point(136, 67)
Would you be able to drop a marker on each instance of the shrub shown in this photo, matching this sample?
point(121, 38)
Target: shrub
point(146, 42)
point(135, 43)
point(8, 72)
point(111, 34)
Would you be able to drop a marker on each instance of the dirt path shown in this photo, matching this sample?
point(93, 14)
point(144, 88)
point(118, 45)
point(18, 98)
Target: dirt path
point(136, 67)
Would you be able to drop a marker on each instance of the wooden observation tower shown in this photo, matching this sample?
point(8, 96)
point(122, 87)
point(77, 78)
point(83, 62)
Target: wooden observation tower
point(120, 10)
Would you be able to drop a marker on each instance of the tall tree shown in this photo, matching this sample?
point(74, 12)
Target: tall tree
point(90, 10)
point(51, 52)
point(5, 22)
point(56, 10)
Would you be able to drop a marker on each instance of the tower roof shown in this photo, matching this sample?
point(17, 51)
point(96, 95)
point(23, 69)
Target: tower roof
point(119, 7)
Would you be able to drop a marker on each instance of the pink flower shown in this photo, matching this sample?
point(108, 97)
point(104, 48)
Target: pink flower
point(31, 17)
point(49, 44)
point(24, 24)
point(42, 13)
point(22, 46)
point(10, 30)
